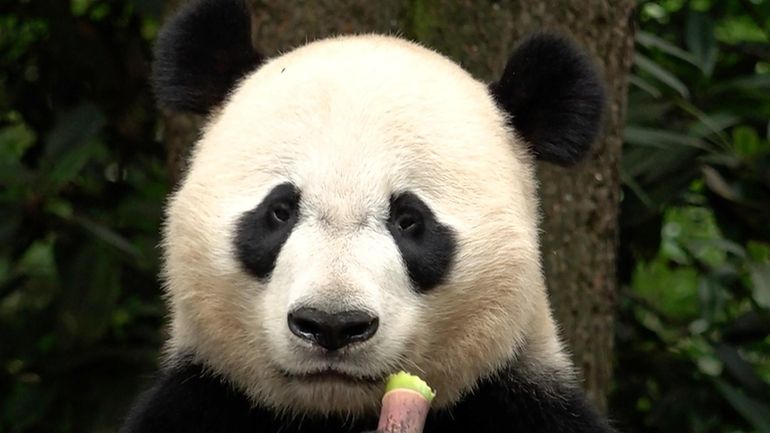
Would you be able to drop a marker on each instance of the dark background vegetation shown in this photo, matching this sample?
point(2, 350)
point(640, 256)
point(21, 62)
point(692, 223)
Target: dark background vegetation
point(83, 179)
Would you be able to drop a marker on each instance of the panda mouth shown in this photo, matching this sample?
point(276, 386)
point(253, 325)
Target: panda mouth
point(332, 375)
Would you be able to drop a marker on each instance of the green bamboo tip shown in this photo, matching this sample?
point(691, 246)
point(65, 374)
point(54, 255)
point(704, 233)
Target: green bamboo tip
point(404, 380)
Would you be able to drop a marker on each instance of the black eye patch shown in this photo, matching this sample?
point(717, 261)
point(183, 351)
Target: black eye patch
point(262, 231)
point(427, 246)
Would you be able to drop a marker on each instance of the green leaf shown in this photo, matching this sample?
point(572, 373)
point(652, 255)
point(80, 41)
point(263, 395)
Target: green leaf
point(69, 166)
point(714, 123)
point(660, 74)
point(716, 244)
point(760, 283)
point(14, 141)
point(660, 138)
point(709, 365)
point(90, 290)
point(758, 251)
point(700, 40)
point(150, 9)
point(644, 85)
point(674, 292)
point(740, 29)
point(20, 33)
point(718, 184)
point(71, 145)
point(38, 260)
point(746, 141)
point(756, 412)
point(741, 370)
point(710, 298)
point(79, 7)
point(646, 111)
point(26, 405)
point(629, 181)
point(108, 236)
point(72, 128)
point(649, 40)
point(752, 84)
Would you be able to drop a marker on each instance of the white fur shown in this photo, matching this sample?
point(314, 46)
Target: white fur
point(350, 121)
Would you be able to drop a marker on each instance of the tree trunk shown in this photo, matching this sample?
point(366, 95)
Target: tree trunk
point(580, 205)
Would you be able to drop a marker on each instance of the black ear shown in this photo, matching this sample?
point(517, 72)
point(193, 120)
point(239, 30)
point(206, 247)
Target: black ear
point(201, 53)
point(554, 96)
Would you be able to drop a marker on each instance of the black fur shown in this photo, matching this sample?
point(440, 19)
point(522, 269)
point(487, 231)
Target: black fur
point(185, 399)
point(261, 232)
point(554, 96)
point(426, 245)
point(201, 53)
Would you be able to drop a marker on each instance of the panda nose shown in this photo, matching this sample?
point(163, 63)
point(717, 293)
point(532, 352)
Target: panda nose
point(332, 331)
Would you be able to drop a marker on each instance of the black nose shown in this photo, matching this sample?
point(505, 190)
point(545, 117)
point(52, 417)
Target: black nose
point(332, 330)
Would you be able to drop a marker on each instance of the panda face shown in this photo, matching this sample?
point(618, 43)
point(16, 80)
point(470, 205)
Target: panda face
point(356, 207)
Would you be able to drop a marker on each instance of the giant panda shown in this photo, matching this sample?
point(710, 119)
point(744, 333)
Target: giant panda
point(354, 207)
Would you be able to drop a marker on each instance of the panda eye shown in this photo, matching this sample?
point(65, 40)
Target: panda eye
point(281, 213)
point(409, 223)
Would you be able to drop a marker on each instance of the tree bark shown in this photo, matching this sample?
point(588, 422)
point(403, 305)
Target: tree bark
point(580, 205)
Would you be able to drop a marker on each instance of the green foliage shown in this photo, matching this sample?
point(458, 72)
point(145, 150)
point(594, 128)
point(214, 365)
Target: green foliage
point(694, 330)
point(82, 180)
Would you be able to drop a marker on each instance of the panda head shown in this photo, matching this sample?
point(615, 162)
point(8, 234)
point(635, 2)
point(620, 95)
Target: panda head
point(362, 205)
